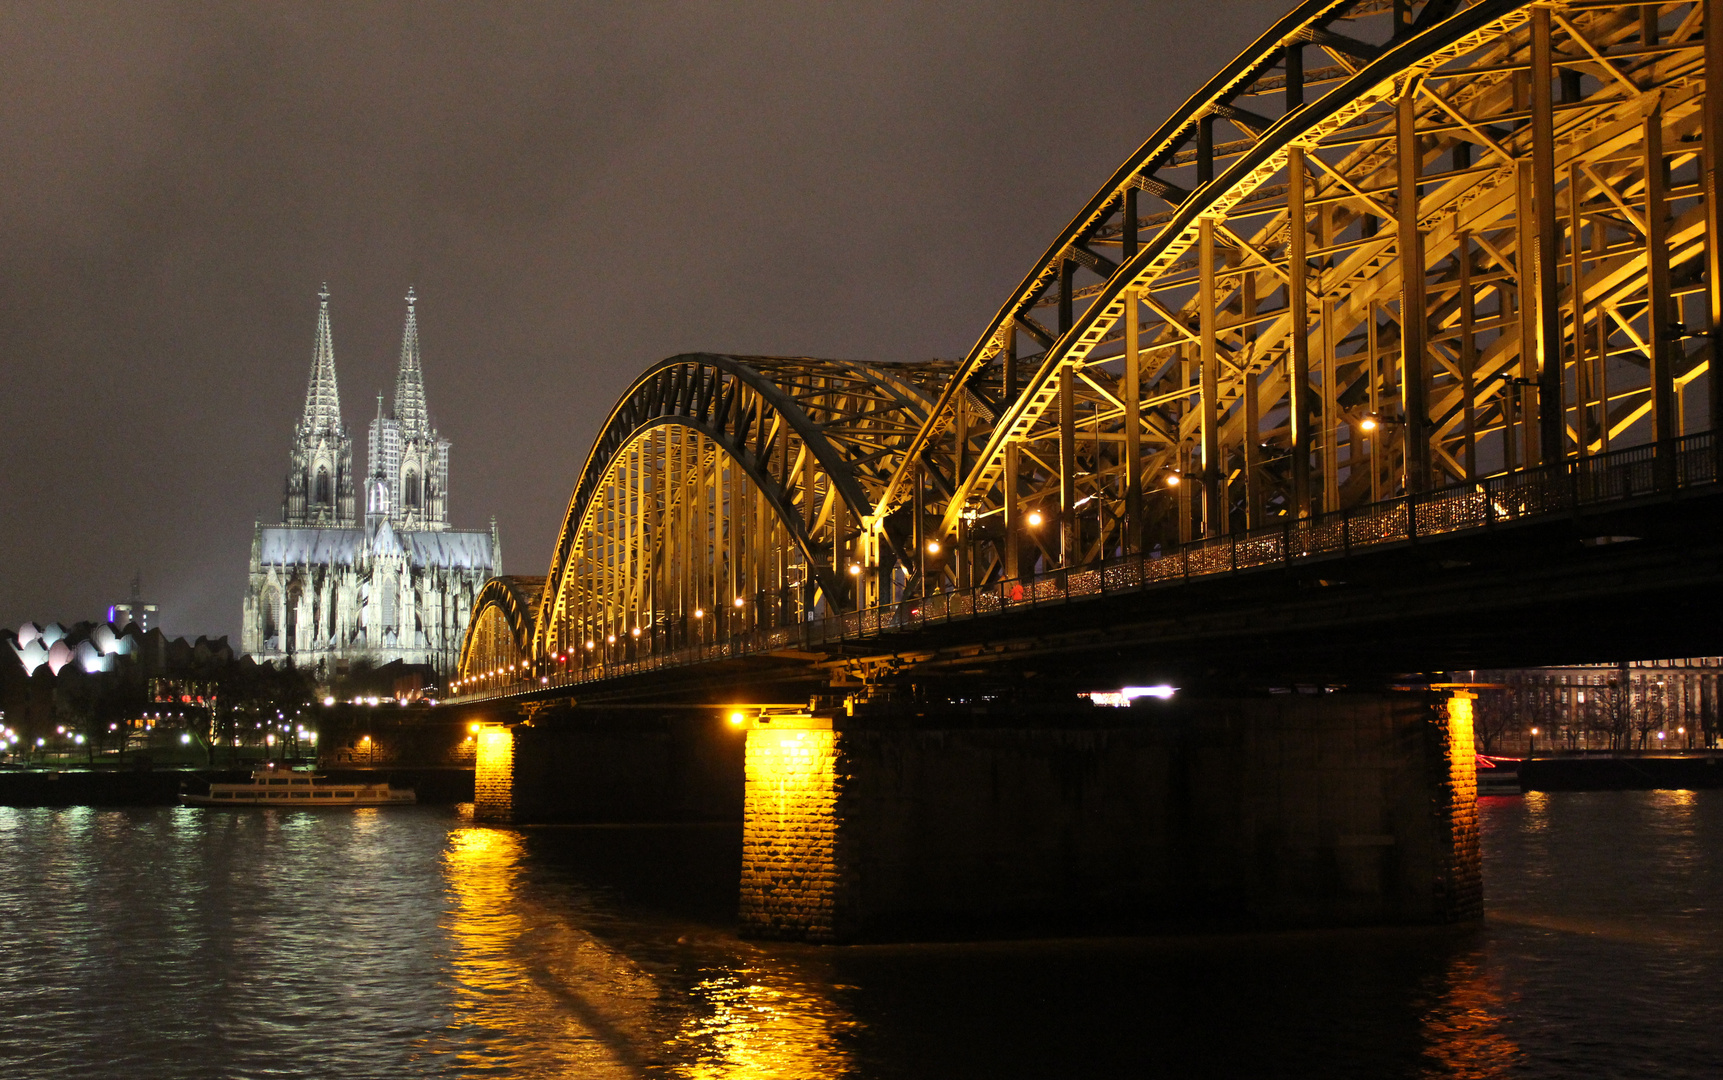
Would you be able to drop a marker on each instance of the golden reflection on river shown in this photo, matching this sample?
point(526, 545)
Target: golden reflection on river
point(1463, 1027)
point(534, 995)
point(755, 1024)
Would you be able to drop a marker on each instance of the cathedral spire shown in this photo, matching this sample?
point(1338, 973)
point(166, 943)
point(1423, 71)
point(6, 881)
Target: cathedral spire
point(410, 380)
point(320, 470)
point(322, 395)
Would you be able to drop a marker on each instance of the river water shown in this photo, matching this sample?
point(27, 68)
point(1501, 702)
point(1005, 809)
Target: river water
point(179, 943)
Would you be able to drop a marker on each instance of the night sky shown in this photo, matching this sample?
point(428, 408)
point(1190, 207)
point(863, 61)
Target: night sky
point(575, 191)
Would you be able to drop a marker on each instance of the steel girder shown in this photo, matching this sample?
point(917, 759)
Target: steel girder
point(706, 455)
point(1263, 368)
point(1249, 352)
point(500, 629)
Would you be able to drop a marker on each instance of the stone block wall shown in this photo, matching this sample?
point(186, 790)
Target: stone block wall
point(790, 881)
point(494, 774)
point(1460, 887)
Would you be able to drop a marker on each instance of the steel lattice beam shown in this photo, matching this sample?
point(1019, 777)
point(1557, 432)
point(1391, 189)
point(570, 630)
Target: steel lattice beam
point(1400, 247)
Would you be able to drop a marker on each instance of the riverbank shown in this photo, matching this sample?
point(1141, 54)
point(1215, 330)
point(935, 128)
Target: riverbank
point(438, 785)
point(1693, 771)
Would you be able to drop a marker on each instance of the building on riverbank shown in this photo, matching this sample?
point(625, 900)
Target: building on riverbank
point(1670, 704)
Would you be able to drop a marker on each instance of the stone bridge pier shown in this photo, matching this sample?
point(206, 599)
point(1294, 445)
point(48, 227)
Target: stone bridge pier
point(901, 822)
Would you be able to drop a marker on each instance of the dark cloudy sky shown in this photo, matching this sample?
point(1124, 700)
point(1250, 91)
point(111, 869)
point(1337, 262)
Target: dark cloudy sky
point(576, 191)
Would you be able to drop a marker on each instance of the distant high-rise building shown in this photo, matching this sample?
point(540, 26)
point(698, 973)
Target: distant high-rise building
point(134, 610)
point(326, 587)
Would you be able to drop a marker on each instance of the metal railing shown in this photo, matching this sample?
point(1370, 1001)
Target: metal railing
point(1639, 472)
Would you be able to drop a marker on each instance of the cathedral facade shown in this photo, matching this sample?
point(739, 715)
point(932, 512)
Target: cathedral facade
point(328, 588)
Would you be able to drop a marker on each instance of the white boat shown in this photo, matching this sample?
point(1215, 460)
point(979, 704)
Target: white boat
point(299, 791)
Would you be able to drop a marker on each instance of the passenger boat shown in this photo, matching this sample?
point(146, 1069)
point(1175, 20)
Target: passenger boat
point(299, 791)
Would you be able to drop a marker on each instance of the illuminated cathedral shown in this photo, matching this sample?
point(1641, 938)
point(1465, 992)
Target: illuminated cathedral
point(328, 588)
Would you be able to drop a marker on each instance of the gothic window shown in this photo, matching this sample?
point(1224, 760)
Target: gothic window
point(292, 622)
point(388, 605)
point(323, 493)
point(410, 490)
point(271, 624)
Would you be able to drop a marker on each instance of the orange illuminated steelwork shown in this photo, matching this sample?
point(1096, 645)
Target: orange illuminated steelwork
point(1484, 234)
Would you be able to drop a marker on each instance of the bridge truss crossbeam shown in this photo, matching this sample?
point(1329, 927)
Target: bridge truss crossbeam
point(1393, 257)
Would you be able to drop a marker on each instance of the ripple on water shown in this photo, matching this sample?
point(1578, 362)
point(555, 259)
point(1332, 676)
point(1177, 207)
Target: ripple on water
point(160, 942)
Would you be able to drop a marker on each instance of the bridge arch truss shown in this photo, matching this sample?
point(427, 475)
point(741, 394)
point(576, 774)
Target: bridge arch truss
point(727, 494)
point(1244, 352)
point(1395, 247)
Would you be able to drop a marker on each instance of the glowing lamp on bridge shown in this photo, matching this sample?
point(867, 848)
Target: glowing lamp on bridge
point(1174, 480)
point(635, 632)
point(699, 613)
point(855, 570)
point(933, 547)
point(610, 639)
point(1034, 519)
point(1369, 423)
point(738, 718)
point(740, 602)
point(589, 645)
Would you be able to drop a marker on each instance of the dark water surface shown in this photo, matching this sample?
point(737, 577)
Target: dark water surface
point(406, 943)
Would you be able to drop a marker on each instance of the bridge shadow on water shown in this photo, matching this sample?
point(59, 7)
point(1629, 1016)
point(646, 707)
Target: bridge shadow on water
point(611, 951)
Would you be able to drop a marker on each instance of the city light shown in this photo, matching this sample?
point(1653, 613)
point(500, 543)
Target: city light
point(737, 718)
point(855, 570)
point(1174, 479)
point(933, 547)
point(1161, 691)
point(1367, 424)
point(1034, 519)
point(740, 601)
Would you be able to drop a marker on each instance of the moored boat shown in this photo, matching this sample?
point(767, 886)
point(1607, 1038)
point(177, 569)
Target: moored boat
point(1498, 775)
point(298, 791)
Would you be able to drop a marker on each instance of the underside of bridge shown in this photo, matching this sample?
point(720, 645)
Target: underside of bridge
point(1387, 354)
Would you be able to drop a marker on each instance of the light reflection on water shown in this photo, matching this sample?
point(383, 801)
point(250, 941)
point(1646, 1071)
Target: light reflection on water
point(532, 993)
point(410, 942)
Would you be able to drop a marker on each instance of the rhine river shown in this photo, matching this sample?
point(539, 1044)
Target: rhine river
point(179, 943)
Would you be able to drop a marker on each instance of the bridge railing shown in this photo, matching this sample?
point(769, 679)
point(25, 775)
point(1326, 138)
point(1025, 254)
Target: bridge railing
point(1641, 472)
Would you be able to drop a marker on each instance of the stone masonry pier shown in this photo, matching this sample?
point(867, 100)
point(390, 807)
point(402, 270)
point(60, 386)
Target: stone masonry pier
point(1279, 810)
point(1285, 810)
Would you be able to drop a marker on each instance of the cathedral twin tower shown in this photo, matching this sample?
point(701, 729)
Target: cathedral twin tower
point(328, 589)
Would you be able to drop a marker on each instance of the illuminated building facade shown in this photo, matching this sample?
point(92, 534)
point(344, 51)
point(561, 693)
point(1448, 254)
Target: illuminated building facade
point(325, 587)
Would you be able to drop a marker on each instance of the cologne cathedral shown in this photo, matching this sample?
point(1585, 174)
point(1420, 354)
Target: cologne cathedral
point(328, 588)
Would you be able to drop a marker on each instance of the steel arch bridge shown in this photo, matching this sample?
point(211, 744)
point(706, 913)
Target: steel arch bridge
point(1221, 362)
